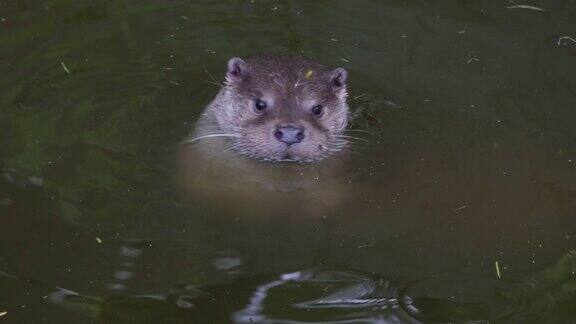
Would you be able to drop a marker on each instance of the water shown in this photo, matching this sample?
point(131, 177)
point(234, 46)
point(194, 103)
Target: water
point(471, 161)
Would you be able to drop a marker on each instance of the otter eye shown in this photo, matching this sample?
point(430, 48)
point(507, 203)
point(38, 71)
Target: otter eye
point(317, 110)
point(260, 105)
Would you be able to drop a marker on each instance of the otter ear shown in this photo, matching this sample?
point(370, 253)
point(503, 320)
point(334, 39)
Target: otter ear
point(237, 70)
point(338, 79)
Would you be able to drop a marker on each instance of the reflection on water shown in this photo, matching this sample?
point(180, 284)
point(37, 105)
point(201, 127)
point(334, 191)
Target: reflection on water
point(304, 191)
point(330, 296)
point(469, 109)
point(131, 253)
point(345, 297)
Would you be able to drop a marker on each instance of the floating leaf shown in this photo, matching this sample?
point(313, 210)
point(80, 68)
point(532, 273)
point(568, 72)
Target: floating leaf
point(65, 67)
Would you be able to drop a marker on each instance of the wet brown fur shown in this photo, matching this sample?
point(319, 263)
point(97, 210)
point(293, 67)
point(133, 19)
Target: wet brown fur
point(290, 86)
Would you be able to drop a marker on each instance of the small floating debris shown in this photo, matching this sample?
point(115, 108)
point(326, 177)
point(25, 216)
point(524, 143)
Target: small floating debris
point(345, 60)
point(174, 83)
point(3, 313)
point(65, 67)
point(498, 273)
point(526, 7)
point(392, 104)
point(308, 74)
point(334, 39)
point(99, 240)
point(472, 59)
point(184, 17)
point(460, 208)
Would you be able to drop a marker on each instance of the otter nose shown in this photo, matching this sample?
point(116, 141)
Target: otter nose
point(289, 134)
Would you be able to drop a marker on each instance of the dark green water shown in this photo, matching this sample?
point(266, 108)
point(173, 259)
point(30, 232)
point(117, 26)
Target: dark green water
point(472, 160)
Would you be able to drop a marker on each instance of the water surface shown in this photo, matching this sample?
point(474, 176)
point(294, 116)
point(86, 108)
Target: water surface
point(470, 109)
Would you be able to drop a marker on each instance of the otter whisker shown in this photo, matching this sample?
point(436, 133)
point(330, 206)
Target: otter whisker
point(217, 126)
point(194, 140)
point(235, 128)
point(213, 83)
point(333, 149)
point(351, 137)
point(356, 146)
point(233, 147)
point(340, 141)
point(336, 147)
point(213, 80)
point(357, 130)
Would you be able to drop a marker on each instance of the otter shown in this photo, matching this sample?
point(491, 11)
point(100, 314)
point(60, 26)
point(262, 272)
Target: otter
point(279, 108)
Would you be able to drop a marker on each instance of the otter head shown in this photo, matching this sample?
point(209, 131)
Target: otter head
point(284, 108)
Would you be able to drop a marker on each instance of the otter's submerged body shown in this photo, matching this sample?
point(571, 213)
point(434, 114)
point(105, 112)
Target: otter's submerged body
point(272, 108)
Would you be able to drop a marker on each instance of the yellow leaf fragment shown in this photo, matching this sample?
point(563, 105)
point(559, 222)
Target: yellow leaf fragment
point(498, 273)
point(65, 67)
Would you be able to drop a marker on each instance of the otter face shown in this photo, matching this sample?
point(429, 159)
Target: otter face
point(284, 108)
